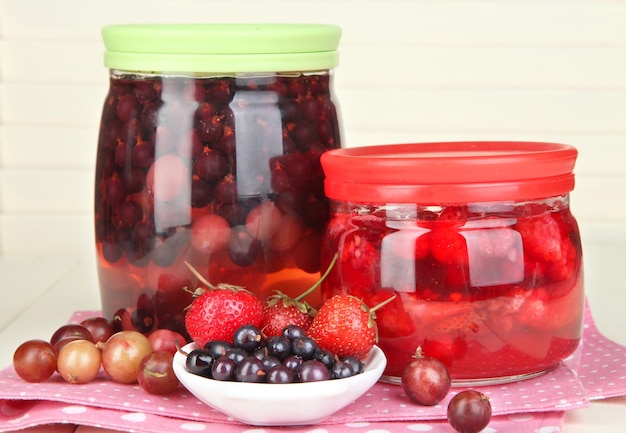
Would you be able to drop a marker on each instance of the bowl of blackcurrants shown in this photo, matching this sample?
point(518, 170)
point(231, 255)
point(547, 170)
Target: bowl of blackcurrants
point(275, 381)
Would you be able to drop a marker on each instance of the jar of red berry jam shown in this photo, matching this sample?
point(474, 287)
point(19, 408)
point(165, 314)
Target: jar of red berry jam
point(477, 242)
point(209, 154)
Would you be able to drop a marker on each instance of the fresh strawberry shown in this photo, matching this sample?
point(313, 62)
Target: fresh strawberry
point(282, 310)
point(345, 326)
point(216, 313)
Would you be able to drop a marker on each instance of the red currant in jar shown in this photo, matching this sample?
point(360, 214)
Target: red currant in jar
point(211, 162)
point(478, 242)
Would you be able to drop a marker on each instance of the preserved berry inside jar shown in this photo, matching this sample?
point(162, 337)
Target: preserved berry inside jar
point(222, 172)
point(493, 290)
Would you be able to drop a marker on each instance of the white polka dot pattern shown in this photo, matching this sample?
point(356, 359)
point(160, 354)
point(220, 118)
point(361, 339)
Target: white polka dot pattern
point(601, 364)
point(597, 370)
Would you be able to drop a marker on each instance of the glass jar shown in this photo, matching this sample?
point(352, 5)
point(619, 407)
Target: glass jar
point(477, 241)
point(209, 154)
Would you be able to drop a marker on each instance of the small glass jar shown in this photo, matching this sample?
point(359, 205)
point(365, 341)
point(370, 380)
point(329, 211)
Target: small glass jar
point(209, 154)
point(477, 242)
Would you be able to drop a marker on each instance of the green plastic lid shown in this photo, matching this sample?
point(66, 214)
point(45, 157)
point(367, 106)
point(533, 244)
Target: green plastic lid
point(221, 48)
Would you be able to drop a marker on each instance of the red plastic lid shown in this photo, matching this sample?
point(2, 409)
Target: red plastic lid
point(449, 172)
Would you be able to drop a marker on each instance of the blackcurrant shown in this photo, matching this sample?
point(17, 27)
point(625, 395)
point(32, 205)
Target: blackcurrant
point(341, 370)
point(217, 348)
point(248, 338)
point(199, 362)
point(303, 347)
point(292, 331)
point(250, 369)
point(224, 368)
point(279, 374)
point(312, 371)
point(278, 346)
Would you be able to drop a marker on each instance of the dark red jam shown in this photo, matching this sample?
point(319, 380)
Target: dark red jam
point(494, 289)
point(220, 172)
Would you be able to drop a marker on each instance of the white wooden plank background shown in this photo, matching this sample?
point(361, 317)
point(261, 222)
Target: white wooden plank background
point(411, 70)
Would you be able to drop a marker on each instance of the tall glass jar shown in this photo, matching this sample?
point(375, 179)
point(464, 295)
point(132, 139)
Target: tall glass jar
point(209, 154)
point(477, 241)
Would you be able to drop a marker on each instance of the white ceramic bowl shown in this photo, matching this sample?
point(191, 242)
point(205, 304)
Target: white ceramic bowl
point(267, 404)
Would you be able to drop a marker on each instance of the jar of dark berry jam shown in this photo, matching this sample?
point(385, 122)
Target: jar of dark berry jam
point(209, 154)
point(477, 242)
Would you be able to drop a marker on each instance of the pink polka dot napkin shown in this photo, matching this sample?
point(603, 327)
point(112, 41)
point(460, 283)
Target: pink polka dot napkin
point(597, 370)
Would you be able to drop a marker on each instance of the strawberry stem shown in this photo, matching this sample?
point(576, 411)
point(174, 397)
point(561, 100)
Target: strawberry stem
point(199, 276)
point(219, 286)
point(318, 282)
point(419, 353)
point(385, 302)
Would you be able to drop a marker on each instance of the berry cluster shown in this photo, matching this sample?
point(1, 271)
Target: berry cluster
point(344, 325)
point(286, 358)
point(79, 351)
point(219, 168)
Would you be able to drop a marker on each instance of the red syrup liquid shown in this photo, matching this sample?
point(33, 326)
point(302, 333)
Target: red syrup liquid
point(493, 295)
